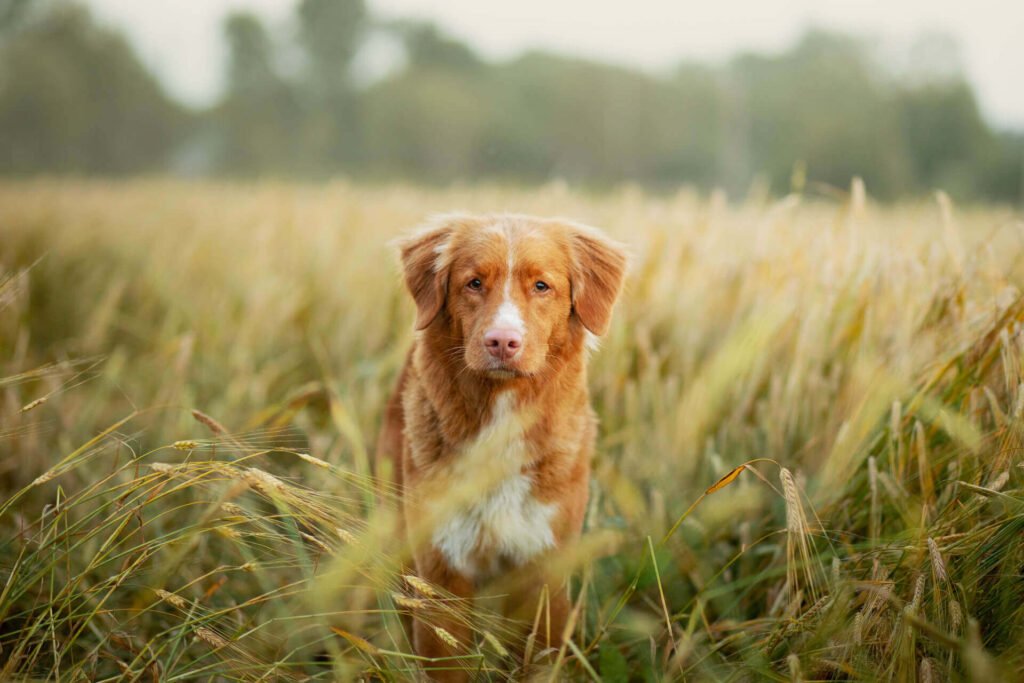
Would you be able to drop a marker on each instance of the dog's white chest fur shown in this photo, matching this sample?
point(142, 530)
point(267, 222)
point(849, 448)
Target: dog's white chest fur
point(499, 521)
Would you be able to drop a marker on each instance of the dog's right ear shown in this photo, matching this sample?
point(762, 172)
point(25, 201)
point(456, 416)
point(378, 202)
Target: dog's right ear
point(425, 266)
point(599, 266)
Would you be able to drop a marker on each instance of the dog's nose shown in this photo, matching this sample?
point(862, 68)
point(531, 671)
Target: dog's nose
point(503, 343)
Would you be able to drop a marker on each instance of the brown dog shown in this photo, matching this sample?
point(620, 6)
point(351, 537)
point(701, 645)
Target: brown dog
point(490, 431)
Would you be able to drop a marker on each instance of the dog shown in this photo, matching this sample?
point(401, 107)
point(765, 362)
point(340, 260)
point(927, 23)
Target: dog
point(489, 432)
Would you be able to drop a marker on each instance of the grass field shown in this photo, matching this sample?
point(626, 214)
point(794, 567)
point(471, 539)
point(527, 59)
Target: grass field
point(851, 375)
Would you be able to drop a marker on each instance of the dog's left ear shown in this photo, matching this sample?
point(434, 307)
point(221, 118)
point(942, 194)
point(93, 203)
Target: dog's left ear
point(425, 267)
point(598, 269)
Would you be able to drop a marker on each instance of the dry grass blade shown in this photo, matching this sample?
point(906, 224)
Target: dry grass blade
point(360, 643)
point(726, 480)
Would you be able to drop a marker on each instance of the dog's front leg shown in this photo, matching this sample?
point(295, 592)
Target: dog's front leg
point(444, 633)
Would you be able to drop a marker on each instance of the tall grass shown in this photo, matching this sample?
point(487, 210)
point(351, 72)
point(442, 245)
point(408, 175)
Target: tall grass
point(811, 462)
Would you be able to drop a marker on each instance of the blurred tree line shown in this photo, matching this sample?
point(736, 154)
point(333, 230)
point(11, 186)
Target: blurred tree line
point(75, 98)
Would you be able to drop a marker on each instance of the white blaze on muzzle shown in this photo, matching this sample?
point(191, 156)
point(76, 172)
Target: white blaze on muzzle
point(508, 316)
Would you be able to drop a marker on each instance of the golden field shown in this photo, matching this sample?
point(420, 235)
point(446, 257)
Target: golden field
point(863, 362)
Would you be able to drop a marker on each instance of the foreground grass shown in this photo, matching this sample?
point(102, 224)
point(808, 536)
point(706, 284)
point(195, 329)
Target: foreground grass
point(191, 377)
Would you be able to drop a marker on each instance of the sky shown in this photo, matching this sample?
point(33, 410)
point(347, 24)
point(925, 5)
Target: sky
point(181, 39)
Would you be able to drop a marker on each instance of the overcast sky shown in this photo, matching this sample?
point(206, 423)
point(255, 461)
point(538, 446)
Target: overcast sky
point(181, 39)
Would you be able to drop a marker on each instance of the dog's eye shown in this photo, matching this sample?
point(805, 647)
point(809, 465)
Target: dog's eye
point(475, 284)
point(541, 286)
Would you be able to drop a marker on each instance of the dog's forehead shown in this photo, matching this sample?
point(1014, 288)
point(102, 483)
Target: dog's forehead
point(511, 239)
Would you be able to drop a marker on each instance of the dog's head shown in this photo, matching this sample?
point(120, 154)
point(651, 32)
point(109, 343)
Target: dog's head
point(511, 292)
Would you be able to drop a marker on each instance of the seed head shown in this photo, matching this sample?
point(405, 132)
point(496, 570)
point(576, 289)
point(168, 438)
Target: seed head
point(45, 477)
point(407, 602)
point(315, 541)
point(211, 637)
point(214, 426)
point(262, 481)
point(938, 565)
point(446, 636)
point(175, 600)
point(313, 460)
point(420, 586)
point(496, 644)
point(34, 404)
point(233, 509)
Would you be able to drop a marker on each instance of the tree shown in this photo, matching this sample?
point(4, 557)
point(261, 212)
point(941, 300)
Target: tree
point(427, 47)
point(1001, 175)
point(599, 123)
point(250, 55)
point(425, 125)
point(75, 98)
point(260, 107)
point(331, 33)
point(945, 135)
point(825, 104)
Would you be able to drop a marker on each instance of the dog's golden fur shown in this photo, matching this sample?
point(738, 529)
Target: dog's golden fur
point(493, 453)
